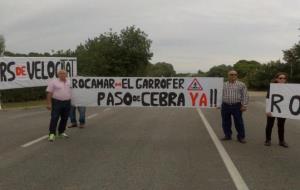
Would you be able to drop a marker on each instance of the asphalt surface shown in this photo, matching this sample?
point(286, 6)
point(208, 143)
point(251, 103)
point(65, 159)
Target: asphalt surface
point(144, 148)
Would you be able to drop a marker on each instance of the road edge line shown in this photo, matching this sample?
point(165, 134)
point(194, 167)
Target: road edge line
point(231, 168)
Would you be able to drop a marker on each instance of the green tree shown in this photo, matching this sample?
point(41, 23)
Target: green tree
point(219, 71)
point(8, 53)
point(292, 58)
point(35, 54)
point(161, 69)
point(61, 53)
point(184, 74)
point(2, 45)
point(112, 54)
point(136, 53)
point(200, 73)
point(245, 68)
point(260, 80)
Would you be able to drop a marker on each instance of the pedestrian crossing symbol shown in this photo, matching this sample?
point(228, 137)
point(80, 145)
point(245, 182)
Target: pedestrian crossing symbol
point(195, 85)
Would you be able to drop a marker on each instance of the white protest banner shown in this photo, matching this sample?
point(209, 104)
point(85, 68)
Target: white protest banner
point(284, 100)
point(21, 72)
point(147, 92)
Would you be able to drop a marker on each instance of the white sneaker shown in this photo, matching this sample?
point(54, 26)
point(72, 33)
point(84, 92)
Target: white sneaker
point(51, 137)
point(63, 135)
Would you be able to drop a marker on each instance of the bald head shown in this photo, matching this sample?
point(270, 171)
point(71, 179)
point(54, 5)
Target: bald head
point(62, 75)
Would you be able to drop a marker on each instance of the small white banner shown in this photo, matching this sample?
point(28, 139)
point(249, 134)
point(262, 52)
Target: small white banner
point(21, 72)
point(284, 100)
point(147, 92)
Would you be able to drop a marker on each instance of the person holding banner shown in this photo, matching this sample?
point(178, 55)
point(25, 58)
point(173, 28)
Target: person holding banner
point(280, 77)
point(81, 110)
point(59, 102)
point(234, 102)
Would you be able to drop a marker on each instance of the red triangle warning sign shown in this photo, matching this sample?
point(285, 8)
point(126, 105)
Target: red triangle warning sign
point(195, 85)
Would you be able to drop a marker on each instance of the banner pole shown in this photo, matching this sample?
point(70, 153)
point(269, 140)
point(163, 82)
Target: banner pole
point(1, 55)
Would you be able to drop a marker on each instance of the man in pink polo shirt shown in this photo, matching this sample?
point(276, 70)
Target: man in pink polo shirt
point(59, 102)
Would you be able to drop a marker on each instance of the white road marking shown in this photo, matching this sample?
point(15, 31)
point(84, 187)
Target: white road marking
point(234, 173)
point(91, 116)
point(46, 136)
point(106, 109)
point(34, 141)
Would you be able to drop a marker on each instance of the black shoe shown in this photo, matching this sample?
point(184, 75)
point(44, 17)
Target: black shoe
point(243, 141)
point(283, 144)
point(267, 143)
point(226, 138)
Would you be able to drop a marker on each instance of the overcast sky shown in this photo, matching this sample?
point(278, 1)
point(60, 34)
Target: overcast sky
point(190, 34)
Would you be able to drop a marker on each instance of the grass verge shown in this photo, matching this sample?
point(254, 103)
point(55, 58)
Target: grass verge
point(29, 104)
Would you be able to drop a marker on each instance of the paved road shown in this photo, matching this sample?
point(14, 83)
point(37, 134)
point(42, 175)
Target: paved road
point(151, 149)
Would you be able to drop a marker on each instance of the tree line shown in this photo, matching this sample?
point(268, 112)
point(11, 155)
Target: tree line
point(128, 53)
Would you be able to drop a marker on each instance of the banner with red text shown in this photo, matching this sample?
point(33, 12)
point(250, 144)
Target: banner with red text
point(21, 72)
point(193, 92)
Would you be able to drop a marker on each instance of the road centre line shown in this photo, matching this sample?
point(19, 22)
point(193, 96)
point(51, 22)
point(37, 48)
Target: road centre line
point(106, 109)
point(91, 116)
point(34, 141)
point(46, 136)
point(231, 168)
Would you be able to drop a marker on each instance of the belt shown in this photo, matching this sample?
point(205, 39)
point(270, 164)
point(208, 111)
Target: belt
point(232, 104)
point(56, 100)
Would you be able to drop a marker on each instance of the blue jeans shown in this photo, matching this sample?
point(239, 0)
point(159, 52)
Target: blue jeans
point(235, 110)
point(60, 109)
point(81, 111)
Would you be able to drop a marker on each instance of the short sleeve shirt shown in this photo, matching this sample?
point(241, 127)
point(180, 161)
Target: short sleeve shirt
point(60, 90)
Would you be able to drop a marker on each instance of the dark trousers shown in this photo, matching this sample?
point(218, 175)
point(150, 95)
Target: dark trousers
point(270, 124)
point(228, 110)
point(60, 109)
